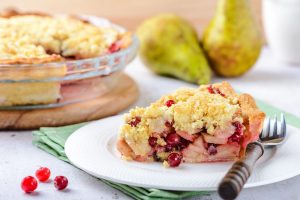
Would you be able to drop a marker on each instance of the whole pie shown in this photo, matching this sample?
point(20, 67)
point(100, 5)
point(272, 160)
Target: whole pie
point(209, 124)
point(34, 38)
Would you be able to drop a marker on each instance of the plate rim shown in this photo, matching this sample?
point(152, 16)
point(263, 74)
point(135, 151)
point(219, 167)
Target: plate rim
point(172, 188)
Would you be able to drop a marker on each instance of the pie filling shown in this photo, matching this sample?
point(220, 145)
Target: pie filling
point(208, 124)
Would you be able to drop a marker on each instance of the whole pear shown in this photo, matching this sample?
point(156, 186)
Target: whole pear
point(169, 46)
point(232, 41)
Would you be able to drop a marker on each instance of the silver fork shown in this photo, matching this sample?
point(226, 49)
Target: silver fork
point(270, 136)
point(237, 176)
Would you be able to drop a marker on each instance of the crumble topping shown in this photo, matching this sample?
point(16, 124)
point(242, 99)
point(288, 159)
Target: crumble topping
point(33, 36)
point(204, 110)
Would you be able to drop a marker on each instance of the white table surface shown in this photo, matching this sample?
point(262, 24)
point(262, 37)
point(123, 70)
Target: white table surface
point(270, 80)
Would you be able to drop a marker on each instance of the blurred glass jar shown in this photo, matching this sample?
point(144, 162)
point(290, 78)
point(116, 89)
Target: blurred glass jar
point(281, 19)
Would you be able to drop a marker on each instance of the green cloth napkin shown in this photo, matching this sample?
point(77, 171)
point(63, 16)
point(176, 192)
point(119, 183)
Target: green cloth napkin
point(52, 140)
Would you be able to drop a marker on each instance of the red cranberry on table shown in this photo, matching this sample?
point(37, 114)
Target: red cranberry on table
point(60, 182)
point(174, 159)
point(43, 174)
point(29, 184)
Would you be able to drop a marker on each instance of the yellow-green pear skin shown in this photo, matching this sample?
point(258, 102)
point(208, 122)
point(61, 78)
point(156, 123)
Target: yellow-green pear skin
point(232, 40)
point(169, 46)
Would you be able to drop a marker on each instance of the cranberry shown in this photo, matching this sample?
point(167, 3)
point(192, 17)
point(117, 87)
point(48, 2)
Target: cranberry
point(183, 144)
point(215, 90)
point(29, 184)
point(219, 92)
point(60, 182)
point(152, 141)
point(235, 138)
point(212, 150)
point(43, 174)
point(169, 103)
point(173, 139)
point(168, 148)
point(238, 133)
point(174, 159)
point(211, 89)
point(135, 121)
point(238, 127)
point(114, 47)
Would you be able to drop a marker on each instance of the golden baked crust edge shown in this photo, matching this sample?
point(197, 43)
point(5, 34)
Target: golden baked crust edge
point(253, 117)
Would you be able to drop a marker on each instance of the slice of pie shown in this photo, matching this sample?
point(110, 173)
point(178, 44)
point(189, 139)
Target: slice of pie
point(209, 124)
point(37, 38)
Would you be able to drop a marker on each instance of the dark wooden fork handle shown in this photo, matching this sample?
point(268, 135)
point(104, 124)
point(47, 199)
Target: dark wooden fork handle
point(237, 176)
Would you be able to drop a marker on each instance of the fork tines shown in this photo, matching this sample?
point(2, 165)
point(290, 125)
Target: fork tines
point(271, 130)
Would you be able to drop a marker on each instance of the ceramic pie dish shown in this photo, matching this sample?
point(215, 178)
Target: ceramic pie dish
point(50, 61)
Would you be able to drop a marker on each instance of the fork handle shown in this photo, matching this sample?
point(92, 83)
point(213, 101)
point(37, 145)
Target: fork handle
point(237, 176)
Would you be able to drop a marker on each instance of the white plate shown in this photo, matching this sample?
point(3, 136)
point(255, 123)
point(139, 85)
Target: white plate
point(93, 149)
